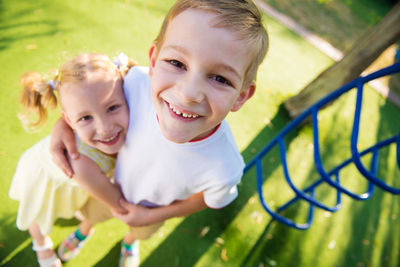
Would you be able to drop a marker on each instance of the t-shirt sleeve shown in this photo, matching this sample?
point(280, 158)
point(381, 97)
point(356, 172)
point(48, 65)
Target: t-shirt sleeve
point(220, 196)
point(132, 80)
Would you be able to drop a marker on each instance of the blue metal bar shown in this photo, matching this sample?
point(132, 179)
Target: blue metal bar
point(321, 170)
point(308, 194)
point(299, 193)
point(273, 214)
point(310, 189)
point(398, 146)
point(355, 133)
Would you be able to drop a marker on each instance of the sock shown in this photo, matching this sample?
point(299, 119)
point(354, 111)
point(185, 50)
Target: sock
point(79, 235)
point(129, 247)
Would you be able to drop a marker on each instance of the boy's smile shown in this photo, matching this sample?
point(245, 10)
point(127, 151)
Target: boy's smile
point(197, 76)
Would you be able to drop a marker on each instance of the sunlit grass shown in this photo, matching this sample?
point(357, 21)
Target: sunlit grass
point(40, 35)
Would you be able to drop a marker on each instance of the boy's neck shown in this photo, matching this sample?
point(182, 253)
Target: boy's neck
point(208, 135)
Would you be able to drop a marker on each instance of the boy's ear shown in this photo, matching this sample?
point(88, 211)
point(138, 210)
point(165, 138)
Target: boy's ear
point(244, 95)
point(152, 57)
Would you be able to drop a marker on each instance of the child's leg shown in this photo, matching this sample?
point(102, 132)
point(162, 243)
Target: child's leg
point(129, 238)
point(92, 212)
point(40, 240)
point(43, 246)
point(85, 227)
point(130, 256)
point(71, 246)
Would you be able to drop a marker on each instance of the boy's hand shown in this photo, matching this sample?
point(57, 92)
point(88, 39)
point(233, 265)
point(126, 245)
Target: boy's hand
point(62, 146)
point(136, 215)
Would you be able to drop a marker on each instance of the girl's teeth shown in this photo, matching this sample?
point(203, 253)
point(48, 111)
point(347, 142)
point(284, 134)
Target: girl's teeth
point(182, 114)
point(109, 139)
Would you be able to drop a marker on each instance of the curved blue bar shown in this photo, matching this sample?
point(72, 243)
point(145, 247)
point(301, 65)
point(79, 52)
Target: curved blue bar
point(371, 176)
point(324, 174)
point(308, 193)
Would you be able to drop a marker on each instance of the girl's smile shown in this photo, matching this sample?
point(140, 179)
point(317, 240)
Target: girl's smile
point(97, 111)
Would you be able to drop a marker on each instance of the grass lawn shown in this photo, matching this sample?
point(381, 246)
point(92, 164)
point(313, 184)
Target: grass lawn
point(39, 35)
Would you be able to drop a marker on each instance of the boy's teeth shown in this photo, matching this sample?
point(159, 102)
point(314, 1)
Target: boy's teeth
point(185, 115)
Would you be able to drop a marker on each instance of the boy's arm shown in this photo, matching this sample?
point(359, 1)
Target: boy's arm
point(62, 146)
point(90, 177)
point(138, 215)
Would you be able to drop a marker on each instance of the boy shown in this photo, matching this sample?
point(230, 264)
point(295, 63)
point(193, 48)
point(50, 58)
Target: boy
point(180, 156)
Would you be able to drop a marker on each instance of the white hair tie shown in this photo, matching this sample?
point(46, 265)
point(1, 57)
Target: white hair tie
point(121, 61)
point(52, 84)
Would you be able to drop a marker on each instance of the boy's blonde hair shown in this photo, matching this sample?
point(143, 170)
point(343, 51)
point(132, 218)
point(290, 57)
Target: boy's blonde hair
point(39, 94)
point(240, 16)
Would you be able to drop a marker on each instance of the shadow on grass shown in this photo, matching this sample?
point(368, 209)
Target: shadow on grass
point(373, 224)
point(14, 243)
point(175, 249)
point(12, 31)
point(111, 258)
point(16, 246)
point(283, 246)
point(380, 215)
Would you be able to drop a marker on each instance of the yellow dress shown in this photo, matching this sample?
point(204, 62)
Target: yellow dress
point(44, 192)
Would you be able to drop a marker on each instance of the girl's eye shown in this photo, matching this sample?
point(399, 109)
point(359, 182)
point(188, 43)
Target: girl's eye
point(85, 118)
point(222, 80)
point(176, 63)
point(113, 108)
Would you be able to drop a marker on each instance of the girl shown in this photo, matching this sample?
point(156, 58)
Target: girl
point(92, 102)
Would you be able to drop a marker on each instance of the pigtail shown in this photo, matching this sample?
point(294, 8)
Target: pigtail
point(125, 69)
point(124, 64)
point(37, 96)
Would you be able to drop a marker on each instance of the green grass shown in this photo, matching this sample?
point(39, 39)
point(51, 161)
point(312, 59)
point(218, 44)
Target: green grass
point(39, 35)
point(340, 22)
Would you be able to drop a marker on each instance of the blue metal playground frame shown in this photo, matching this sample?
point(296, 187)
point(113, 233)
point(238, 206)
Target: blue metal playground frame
point(307, 194)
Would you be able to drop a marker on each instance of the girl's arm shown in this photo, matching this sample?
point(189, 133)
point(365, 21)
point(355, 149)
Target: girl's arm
point(63, 147)
point(82, 169)
point(90, 177)
point(138, 215)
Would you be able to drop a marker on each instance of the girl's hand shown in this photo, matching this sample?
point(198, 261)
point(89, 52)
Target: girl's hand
point(137, 215)
point(63, 147)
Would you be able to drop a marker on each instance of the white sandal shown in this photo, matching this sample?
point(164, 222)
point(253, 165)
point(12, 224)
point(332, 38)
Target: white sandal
point(47, 262)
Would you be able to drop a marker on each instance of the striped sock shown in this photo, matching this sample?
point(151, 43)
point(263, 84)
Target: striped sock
point(79, 235)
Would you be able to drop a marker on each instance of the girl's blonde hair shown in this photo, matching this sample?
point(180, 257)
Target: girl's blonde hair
point(240, 16)
point(39, 95)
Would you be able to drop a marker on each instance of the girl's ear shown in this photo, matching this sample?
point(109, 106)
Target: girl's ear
point(152, 58)
point(244, 95)
point(67, 120)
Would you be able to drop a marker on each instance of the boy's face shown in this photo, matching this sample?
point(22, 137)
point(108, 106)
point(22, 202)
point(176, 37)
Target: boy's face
point(97, 111)
point(197, 76)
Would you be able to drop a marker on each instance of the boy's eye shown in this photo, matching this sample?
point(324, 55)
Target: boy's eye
point(176, 63)
point(113, 107)
point(222, 80)
point(85, 118)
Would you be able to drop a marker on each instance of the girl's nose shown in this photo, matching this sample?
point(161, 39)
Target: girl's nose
point(104, 127)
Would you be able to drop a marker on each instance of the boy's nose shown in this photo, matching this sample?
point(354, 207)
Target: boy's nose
point(191, 89)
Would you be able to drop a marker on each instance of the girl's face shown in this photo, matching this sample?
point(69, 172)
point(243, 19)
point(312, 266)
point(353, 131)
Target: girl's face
point(97, 111)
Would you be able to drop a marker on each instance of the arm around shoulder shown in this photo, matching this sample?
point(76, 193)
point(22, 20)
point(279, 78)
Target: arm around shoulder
point(138, 215)
point(62, 146)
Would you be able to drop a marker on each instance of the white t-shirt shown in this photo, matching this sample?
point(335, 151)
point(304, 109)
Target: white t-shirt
point(154, 171)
